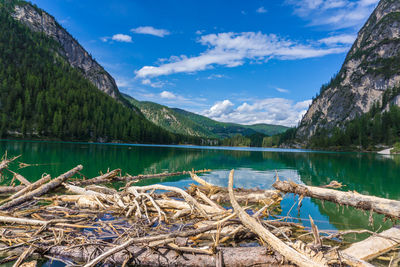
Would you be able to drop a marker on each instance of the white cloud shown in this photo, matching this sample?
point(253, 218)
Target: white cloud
point(234, 49)
point(338, 14)
point(215, 76)
point(281, 90)
point(261, 9)
point(200, 32)
point(151, 31)
point(122, 38)
point(339, 39)
point(220, 109)
point(270, 110)
point(167, 95)
point(157, 84)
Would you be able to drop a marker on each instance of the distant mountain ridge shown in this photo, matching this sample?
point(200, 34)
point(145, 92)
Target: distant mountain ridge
point(371, 68)
point(184, 122)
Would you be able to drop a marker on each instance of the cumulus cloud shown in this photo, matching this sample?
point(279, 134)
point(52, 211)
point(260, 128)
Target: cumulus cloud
point(270, 110)
point(151, 31)
point(336, 13)
point(220, 109)
point(261, 9)
point(234, 49)
point(167, 95)
point(122, 38)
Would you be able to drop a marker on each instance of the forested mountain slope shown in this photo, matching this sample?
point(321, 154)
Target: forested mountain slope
point(185, 122)
point(43, 96)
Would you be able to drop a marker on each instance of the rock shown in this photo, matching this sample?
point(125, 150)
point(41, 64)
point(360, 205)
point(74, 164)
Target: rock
point(371, 67)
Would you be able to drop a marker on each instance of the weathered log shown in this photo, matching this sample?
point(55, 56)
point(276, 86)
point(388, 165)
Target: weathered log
point(102, 179)
point(185, 195)
point(20, 178)
point(380, 205)
point(242, 195)
point(10, 189)
point(249, 196)
point(21, 221)
point(176, 204)
point(29, 188)
point(374, 246)
point(148, 239)
point(43, 189)
point(286, 251)
point(157, 175)
point(143, 256)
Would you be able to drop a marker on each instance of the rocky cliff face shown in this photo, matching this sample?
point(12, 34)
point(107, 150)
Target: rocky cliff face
point(371, 67)
point(76, 55)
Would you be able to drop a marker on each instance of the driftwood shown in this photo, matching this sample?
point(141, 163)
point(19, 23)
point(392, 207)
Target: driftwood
point(157, 225)
point(102, 179)
point(245, 256)
point(149, 239)
point(374, 246)
point(379, 205)
point(20, 178)
point(10, 189)
point(29, 188)
point(4, 163)
point(289, 253)
point(42, 189)
point(220, 194)
point(157, 175)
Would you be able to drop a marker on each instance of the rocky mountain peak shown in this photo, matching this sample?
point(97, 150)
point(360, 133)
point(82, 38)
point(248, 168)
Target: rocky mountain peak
point(75, 54)
point(371, 67)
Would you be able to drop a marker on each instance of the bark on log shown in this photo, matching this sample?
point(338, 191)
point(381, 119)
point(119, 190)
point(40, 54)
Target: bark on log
point(102, 179)
point(20, 178)
point(10, 189)
point(42, 189)
point(249, 196)
point(148, 239)
point(142, 256)
point(379, 205)
point(286, 251)
point(29, 188)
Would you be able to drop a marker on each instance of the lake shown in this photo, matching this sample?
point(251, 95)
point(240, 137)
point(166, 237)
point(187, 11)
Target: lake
point(367, 173)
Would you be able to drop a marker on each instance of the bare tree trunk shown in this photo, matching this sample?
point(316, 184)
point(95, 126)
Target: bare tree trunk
point(42, 189)
point(288, 252)
point(354, 199)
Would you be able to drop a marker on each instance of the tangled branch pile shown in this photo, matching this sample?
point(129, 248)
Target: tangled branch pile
point(153, 225)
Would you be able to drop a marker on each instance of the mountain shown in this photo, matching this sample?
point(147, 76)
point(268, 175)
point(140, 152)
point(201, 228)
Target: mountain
point(40, 21)
point(369, 76)
point(184, 122)
point(50, 87)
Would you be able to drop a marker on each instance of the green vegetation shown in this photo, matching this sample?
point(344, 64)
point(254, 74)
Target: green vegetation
point(364, 132)
point(286, 137)
point(43, 97)
point(254, 140)
point(184, 122)
point(396, 148)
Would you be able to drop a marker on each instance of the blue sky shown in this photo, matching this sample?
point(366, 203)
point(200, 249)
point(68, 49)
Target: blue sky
point(254, 61)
